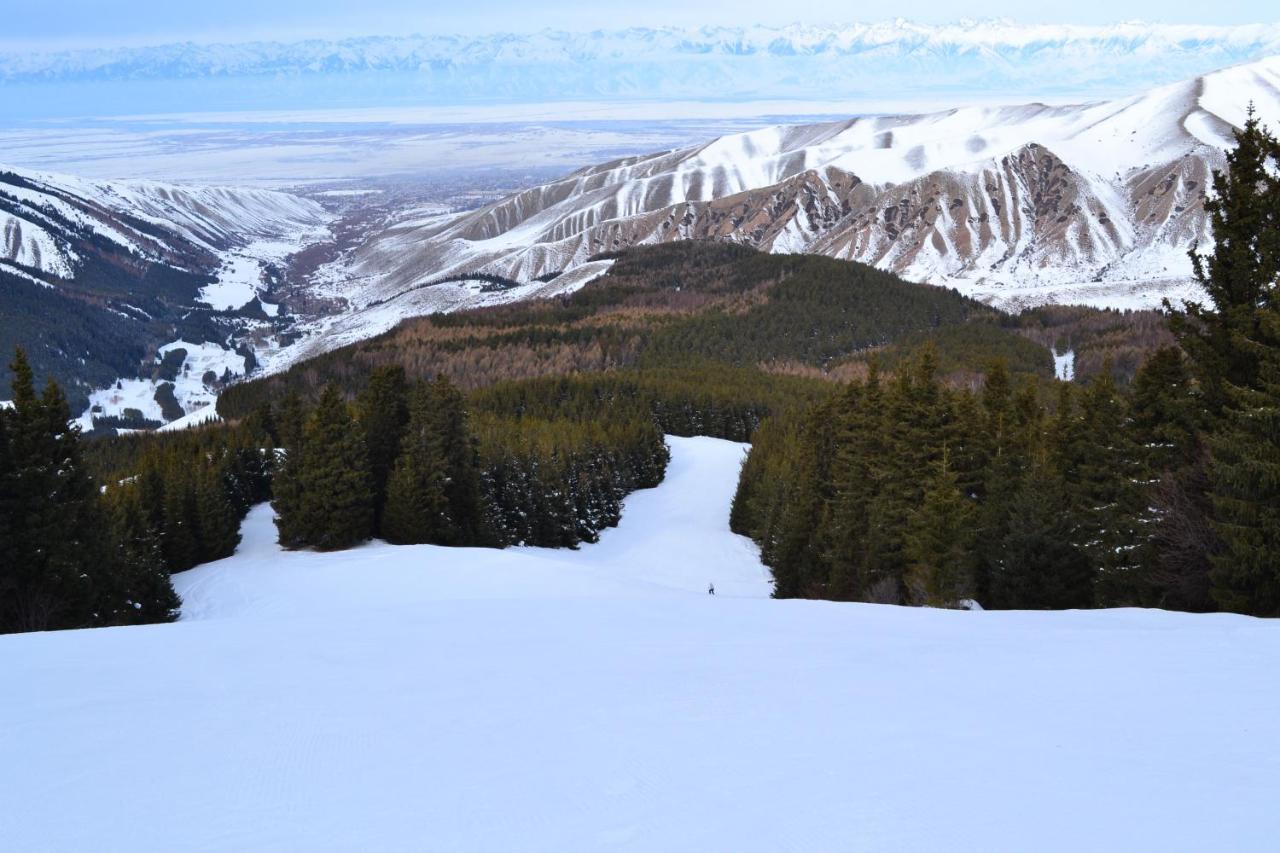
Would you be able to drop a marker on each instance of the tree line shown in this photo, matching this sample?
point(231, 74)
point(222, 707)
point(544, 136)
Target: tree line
point(1163, 493)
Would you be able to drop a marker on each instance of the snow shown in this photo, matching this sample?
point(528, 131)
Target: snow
point(1064, 365)
point(402, 699)
point(199, 417)
point(189, 389)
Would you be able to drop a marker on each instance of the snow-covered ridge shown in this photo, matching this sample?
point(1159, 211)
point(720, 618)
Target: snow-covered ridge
point(214, 218)
point(1089, 203)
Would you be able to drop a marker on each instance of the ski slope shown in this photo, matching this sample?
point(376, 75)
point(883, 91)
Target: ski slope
point(418, 699)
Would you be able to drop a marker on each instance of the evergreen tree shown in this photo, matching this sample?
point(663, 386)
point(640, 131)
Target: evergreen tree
point(797, 558)
point(57, 577)
point(180, 533)
point(417, 504)
point(1038, 566)
point(1246, 484)
point(217, 521)
point(383, 410)
point(939, 543)
point(1163, 412)
point(1106, 495)
point(329, 503)
point(142, 588)
point(466, 502)
point(1231, 348)
point(859, 444)
point(1244, 213)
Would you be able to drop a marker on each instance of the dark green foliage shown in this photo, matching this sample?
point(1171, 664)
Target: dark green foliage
point(914, 492)
point(1246, 485)
point(143, 590)
point(939, 543)
point(1037, 565)
point(168, 402)
point(325, 497)
point(434, 491)
point(1232, 345)
point(63, 564)
point(171, 364)
point(383, 410)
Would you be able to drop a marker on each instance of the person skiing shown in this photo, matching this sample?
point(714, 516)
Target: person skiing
point(711, 590)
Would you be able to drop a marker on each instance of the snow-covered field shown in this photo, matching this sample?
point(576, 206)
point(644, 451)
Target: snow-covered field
point(409, 699)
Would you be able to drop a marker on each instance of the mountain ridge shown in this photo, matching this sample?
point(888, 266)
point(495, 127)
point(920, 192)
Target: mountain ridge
point(1017, 205)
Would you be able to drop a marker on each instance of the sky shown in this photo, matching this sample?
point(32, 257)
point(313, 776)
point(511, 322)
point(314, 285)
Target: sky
point(81, 23)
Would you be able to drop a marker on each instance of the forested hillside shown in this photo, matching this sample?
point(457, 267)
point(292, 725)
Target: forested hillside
point(1162, 493)
point(676, 305)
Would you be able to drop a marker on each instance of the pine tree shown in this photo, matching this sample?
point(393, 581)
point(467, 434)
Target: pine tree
point(417, 504)
point(466, 502)
point(180, 533)
point(329, 504)
point(1244, 214)
point(858, 446)
point(383, 410)
point(1106, 494)
point(218, 522)
point(939, 543)
point(1163, 412)
point(1038, 566)
point(798, 567)
point(142, 589)
point(1230, 346)
point(57, 576)
point(1246, 485)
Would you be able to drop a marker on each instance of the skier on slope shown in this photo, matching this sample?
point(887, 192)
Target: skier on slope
point(711, 590)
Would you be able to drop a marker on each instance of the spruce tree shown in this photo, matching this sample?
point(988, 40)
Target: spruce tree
point(1246, 484)
point(57, 576)
point(939, 543)
point(142, 588)
point(1106, 494)
point(180, 534)
point(1230, 344)
point(1038, 565)
point(466, 502)
point(1241, 272)
point(332, 507)
point(383, 410)
point(218, 522)
point(417, 504)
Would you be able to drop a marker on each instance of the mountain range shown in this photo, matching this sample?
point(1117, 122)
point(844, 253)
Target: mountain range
point(1017, 205)
point(1096, 203)
point(895, 61)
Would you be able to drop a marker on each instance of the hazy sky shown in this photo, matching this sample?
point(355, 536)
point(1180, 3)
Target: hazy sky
point(93, 22)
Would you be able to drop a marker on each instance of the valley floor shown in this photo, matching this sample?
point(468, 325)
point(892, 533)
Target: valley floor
point(411, 699)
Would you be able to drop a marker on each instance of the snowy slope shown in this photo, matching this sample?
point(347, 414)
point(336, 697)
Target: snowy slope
point(1021, 204)
point(407, 699)
point(156, 220)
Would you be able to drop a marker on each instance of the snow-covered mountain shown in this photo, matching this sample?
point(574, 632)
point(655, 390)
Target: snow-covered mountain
point(99, 280)
point(1021, 204)
point(48, 221)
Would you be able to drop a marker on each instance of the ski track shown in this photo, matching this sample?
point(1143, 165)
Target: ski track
point(410, 699)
